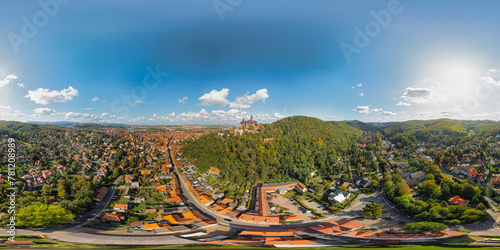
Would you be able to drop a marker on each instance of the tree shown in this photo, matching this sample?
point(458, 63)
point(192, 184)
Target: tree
point(429, 186)
point(433, 169)
point(42, 215)
point(63, 195)
point(429, 177)
point(468, 191)
point(490, 191)
point(404, 189)
point(475, 200)
point(46, 190)
point(445, 192)
point(397, 178)
point(372, 210)
point(342, 188)
point(481, 207)
point(132, 219)
point(118, 171)
point(417, 227)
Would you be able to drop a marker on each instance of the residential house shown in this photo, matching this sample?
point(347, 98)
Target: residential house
point(62, 169)
point(122, 207)
point(338, 196)
point(48, 173)
point(457, 200)
point(129, 178)
point(495, 179)
point(113, 217)
point(361, 182)
point(420, 175)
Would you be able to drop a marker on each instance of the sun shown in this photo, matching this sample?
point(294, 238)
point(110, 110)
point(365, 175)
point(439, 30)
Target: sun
point(454, 75)
point(459, 75)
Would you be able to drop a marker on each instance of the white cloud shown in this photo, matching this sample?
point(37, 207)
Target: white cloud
point(356, 89)
point(219, 113)
point(95, 99)
point(400, 103)
point(44, 111)
point(362, 110)
point(6, 80)
point(244, 102)
point(105, 116)
point(5, 107)
point(45, 96)
point(422, 95)
point(20, 85)
point(448, 113)
point(182, 100)
point(138, 101)
point(89, 117)
point(171, 114)
point(214, 98)
point(74, 115)
point(203, 114)
point(278, 116)
point(88, 108)
point(387, 113)
point(491, 77)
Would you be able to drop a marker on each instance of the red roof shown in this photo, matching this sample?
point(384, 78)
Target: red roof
point(495, 179)
point(457, 200)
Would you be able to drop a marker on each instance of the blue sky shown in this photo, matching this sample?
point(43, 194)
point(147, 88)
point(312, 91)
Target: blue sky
point(217, 62)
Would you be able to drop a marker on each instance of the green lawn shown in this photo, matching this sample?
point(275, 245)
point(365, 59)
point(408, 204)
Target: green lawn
point(141, 208)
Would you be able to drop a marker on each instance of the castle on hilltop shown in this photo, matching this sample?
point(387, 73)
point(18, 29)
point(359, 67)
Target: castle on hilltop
point(248, 126)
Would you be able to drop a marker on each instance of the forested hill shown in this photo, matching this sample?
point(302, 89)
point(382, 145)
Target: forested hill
point(432, 130)
point(363, 125)
point(20, 130)
point(300, 146)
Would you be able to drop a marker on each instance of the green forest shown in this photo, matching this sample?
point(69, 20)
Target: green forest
point(300, 146)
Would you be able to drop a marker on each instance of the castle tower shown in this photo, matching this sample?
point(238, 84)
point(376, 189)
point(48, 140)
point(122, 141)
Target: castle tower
point(251, 118)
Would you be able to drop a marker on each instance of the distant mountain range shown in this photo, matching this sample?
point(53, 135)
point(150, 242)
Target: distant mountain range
point(79, 125)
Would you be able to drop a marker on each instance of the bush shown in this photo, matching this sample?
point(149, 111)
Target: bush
point(453, 222)
point(372, 210)
point(43, 215)
point(417, 227)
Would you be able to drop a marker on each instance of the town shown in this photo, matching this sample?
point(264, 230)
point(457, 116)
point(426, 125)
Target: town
point(136, 180)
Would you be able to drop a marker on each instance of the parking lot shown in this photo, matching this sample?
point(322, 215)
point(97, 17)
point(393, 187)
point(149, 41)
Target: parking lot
point(314, 205)
point(294, 209)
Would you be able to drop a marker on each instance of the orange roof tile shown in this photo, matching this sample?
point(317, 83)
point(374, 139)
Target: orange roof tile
point(457, 200)
point(151, 226)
